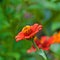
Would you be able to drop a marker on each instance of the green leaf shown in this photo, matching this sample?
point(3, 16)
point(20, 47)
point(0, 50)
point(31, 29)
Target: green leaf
point(10, 9)
point(55, 25)
point(14, 54)
point(1, 58)
point(55, 48)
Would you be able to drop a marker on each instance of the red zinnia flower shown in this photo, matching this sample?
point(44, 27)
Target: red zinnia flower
point(28, 32)
point(46, 42)
point(43, 43)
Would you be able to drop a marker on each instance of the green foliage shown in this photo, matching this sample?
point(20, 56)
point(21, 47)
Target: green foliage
point(15, 14)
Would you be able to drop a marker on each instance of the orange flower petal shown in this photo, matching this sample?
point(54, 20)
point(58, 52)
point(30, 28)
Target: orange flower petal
point(31, 50)
point(34, 27)
point(20, 36)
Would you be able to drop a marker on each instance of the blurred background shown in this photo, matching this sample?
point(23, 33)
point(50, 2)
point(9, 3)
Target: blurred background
point(15, 14)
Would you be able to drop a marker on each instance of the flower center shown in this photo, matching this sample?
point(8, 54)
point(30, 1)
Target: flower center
point(27, 30)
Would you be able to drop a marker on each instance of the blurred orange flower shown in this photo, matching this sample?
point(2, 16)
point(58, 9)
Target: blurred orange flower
point(43, 43)
point(28, 32)
point(56, 37)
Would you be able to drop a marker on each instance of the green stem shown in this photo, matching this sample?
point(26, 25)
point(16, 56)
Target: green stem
point(35, 45)
point(40, 52)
